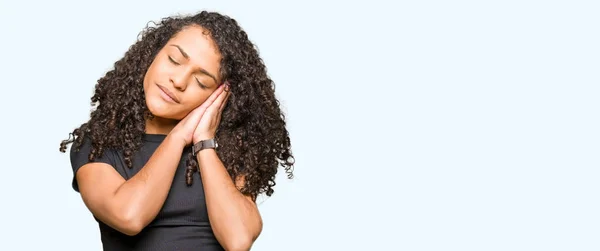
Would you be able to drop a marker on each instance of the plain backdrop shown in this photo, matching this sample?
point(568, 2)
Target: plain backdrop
point(416, 125)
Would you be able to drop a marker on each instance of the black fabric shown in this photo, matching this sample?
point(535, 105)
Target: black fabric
point(182, 223)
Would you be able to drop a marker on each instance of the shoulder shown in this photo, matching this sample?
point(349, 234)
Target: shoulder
point(85, 153)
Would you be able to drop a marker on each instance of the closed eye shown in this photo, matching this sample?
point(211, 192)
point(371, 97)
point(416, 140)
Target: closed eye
point(173, 60)
point(200, 83)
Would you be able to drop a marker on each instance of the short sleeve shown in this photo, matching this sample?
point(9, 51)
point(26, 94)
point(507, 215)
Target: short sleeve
point(81, 157)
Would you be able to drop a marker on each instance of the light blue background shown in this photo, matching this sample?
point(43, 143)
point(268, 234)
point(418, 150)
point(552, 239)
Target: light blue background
point(416, 125)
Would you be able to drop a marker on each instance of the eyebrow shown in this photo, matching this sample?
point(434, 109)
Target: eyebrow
point(202, 70)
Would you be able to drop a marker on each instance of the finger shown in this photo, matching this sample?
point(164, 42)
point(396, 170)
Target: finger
point(218, 102)
point(200, 110)
point(194, 117)
point(224, 102)
point(213, 111)
point(218, 120)
point(213, 97)
point(197, 112)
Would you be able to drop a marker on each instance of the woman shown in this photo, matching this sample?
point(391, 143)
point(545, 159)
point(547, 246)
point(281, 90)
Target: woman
point(185, 134)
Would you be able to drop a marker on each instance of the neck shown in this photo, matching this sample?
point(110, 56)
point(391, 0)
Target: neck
point(160, 125)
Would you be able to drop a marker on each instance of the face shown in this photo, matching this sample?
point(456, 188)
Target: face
point(182, 75)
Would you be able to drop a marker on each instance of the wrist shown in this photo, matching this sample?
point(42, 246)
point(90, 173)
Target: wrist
point(173, 140)
point(204, 155)
point(202, 145)
point(202, 137)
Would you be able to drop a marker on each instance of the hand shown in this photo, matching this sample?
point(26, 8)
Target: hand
point(186, 128)
point(207, 127)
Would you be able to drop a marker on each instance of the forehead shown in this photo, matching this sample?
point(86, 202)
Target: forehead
point(197, 43)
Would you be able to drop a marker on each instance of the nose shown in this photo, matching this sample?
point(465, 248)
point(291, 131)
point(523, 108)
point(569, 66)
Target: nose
point(179, 80)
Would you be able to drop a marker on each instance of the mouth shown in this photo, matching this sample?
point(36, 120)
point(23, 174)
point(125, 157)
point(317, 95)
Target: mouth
point(169, 95)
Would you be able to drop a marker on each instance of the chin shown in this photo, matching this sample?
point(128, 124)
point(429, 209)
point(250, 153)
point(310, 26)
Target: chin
point(160, 108)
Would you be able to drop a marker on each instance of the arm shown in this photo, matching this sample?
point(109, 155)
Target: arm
point(234, 217)
point(128, 206)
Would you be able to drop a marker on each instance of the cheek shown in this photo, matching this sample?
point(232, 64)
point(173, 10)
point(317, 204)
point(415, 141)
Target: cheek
point(152, 76)
point(196, 99)
point(156, 70)
point(148, 77)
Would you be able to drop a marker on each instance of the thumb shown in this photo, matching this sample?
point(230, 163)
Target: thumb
point(195, 115)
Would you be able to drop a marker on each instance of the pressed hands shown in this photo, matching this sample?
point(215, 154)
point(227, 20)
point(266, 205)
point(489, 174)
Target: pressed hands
point(202, 122)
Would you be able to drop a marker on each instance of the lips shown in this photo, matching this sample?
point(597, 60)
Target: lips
point(169, 93)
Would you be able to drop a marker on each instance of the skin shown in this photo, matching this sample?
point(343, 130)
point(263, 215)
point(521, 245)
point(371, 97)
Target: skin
point(130, 205)
point(188, 78)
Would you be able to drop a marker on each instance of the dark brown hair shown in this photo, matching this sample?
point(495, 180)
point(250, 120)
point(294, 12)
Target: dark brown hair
point(253, 137)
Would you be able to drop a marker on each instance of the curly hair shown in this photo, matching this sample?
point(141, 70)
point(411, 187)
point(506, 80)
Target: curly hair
point(252, 133)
